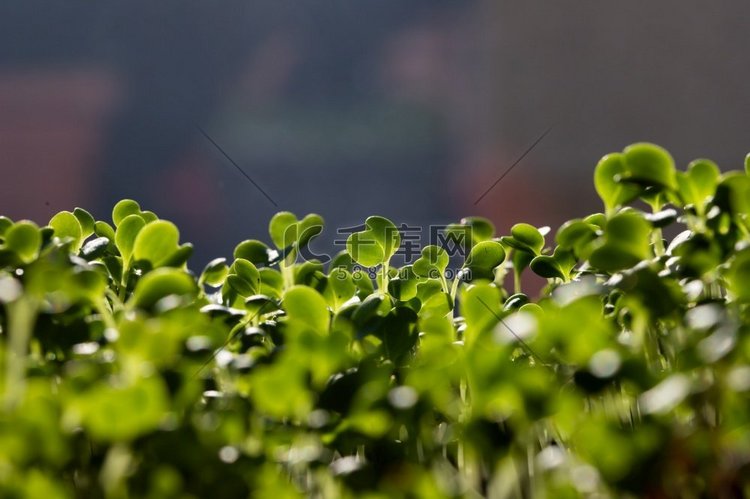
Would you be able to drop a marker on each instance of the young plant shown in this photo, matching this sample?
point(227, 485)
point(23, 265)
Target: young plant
point(375, 246)
point(122, 374)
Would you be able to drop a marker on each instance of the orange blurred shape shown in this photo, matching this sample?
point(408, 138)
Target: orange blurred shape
point(52, 130)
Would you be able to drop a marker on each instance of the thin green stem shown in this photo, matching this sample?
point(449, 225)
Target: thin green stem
point(656, 235)
point(107, 316)
point(384, 278)
point(444, 283)
point(287, 272)
point(123, 282)
point(456, 282)
point(658, 242)
point(21, 318)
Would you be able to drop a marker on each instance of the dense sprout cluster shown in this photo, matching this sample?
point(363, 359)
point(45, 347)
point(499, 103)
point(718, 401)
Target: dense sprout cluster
point(122, 374)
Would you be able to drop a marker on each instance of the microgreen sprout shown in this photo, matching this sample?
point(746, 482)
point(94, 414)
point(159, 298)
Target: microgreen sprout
point(274, 373)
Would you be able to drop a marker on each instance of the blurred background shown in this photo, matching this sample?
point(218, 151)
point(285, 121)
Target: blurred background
point(408, 109)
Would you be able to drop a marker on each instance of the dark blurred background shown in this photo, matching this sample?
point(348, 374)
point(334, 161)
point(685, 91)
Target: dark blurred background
point(408, 109)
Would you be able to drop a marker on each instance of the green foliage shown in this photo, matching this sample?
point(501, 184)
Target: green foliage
point(124, 208)
point(160, 284)
point(698, 184)
point(66, 225)
point(286, 231)
point(122, 374)
point(625, 242)
point(215, 273)
point(86, 220)
point(307, 308)
point(255, 251)
point(126, 233)
point(376, 244)
point(484, 258)
point(649, 165)
point(22, 240)
point(609, 176)
point(156, 242)
point(471, 230)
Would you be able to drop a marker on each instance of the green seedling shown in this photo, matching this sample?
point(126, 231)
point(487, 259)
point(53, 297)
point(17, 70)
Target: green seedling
point(123, 374)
